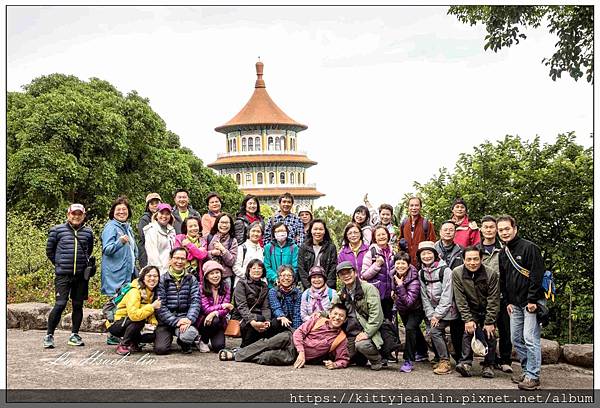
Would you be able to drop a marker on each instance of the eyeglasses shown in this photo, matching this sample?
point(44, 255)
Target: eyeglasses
point(152, 276)
point(179, 258)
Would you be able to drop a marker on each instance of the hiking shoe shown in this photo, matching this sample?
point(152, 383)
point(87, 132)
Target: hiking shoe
point(186, 349)
point(419, 358)
point(435, 363)
point(506, 368)
point(112, 340)
point(135, 348)
point(377, 366)
point(48, 341)
point(75, 340)
point(464, 369)
point(123, 350)
point(443, 368)
point(487, 372)
point(407, 367)
point(529, 384)
point(203, 347)
point(517, 378)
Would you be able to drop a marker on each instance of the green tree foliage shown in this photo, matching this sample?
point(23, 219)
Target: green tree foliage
point(549, 190)
point(70, 140)
point(574, 26)
point(335, 220)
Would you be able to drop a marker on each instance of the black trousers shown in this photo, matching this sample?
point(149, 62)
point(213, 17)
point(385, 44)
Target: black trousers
point(130, 332)
point(415, 341)
point(250, 335)
point(387, 305)
point(276, 350)
point(504, 342)
point(467, 351)
point(215, 333)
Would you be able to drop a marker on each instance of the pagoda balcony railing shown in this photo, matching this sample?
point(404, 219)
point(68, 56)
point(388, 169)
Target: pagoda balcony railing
point(270, 186)
point(260, 152)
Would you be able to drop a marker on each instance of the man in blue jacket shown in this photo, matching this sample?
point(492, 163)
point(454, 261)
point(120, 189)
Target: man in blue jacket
point(69, 247)
point(178, 292)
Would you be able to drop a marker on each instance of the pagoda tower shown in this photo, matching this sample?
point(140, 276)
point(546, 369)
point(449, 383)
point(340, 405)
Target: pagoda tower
point(262, 153)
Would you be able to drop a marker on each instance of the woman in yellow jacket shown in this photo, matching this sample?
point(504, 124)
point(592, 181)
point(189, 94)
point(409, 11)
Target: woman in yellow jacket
point(134, 317)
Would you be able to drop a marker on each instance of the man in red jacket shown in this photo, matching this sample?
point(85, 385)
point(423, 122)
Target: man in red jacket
point(415, 229)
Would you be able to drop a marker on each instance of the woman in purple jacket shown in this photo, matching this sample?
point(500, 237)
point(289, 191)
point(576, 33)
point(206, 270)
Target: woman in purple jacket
point(407, 294)
point(215, 297)
point(353, 248)
point(378, 268)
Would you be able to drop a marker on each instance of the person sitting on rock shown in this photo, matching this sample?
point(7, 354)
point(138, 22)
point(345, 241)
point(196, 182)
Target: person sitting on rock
point(134, 318)
point(178, 292)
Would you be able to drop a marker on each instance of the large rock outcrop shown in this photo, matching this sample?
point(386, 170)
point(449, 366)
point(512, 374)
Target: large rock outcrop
point(27, 316)
point(579, 354)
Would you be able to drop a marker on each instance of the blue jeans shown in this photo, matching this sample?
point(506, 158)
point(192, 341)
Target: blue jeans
point(526, 338)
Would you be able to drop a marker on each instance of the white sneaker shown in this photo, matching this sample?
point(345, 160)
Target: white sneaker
point(506, 368)
point(203, 347)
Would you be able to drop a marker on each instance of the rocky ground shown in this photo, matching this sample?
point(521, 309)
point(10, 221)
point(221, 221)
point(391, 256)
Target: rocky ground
point(96, 365)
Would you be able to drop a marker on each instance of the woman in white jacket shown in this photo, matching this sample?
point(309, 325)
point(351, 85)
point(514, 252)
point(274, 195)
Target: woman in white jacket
point(248, 251)
point(160, 238)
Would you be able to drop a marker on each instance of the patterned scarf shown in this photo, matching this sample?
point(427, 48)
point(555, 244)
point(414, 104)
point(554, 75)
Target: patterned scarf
point(316, 297)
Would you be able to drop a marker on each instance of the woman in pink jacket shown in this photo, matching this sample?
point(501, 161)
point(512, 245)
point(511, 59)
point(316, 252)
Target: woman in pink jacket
point(215, 303)
point(191, 239)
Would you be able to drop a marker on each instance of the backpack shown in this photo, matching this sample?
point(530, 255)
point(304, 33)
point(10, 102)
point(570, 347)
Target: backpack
point(329, 294)
point(439, 279)
point(425, 222)
point(110, 307)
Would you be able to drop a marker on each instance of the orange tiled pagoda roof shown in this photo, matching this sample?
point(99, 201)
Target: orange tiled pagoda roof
point(260, 110)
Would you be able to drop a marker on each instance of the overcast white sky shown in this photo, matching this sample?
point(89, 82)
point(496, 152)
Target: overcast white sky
point(389, 94)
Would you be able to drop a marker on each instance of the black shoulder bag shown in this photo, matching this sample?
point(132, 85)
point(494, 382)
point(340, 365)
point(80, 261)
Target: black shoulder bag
point(90, 269)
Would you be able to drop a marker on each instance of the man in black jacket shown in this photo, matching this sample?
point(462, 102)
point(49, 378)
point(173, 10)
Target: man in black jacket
point(521, 273)
point(69, 247)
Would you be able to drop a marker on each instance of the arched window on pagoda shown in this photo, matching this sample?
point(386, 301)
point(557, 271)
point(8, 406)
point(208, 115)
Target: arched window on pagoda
point(292, 178)
point(299, 182)
point(238, 179)
point(292, 144)
point(248, 178)
point(282, 178)
point(259, 178)
point(243, 144)
point(277, 143)
point(271, 178)
point(283, 146)
point(302, 174)
point(250, 144)
point(257, 143)
point(270, 143)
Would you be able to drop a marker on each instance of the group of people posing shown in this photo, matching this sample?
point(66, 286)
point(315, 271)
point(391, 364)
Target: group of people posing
point(193, 277)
